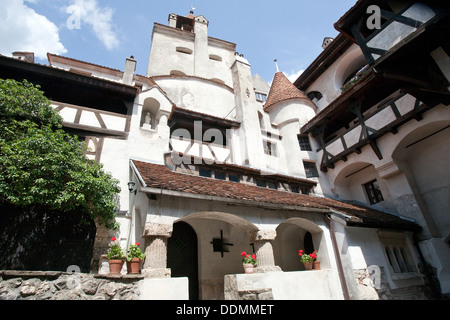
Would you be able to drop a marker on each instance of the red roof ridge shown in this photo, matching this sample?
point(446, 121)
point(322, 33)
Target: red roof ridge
point(50, 55)
point(160, 177)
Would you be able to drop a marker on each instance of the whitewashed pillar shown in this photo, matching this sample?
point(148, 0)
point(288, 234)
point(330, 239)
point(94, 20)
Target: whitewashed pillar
point(264, 251)
point(155, 263)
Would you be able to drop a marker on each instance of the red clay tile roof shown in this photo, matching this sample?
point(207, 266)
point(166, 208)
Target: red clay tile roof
point(281, 90)
point(161, 177)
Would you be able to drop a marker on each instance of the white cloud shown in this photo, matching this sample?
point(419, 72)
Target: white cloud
point(291, 76)
point(100, 19)
point(22, 29)
point(294, 75)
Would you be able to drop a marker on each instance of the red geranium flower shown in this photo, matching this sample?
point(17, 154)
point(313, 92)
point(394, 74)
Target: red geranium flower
point(138, 243)
point(113, 239)
point(243, 253)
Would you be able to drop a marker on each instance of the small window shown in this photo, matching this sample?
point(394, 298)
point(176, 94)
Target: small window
point(205, 173)
point(305, 191)
point(215, 57)
point(233, 177)
point(260, 183)
point(314, 95)
point(262, 97)
point(310, 169)
point(295, 189)
point(219, 175)
point(272, 185)
point(270, 148)
point(373, 192)
point(183, 50)
point(397, 253)
point(303, 141)
point(177, 73)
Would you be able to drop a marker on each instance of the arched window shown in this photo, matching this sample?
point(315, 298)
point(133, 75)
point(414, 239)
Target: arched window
point(183, 50)
point(177, 73)
point(314, 96)
point(261, 120)
point(149, 112)
point(308, 243)
point(215, 57)
point(351, 63)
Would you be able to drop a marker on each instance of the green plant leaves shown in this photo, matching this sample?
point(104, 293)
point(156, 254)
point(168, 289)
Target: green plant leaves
point(41, 164)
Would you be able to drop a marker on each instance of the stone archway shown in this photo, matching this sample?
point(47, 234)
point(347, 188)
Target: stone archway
point(234, 232)
point(423, 156)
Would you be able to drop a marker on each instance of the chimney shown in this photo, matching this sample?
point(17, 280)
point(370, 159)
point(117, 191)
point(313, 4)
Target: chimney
point(128, 74)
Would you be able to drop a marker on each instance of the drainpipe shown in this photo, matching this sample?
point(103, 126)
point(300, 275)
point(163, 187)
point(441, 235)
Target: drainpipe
point(338, 259)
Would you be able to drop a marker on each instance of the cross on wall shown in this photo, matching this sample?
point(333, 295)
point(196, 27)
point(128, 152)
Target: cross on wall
point(219, 244)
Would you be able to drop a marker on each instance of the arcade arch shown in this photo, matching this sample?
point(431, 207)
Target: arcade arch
point(220, 238)
point(294, 234)
point(423, 156)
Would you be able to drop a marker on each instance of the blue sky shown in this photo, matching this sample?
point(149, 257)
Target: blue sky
point(105, 32)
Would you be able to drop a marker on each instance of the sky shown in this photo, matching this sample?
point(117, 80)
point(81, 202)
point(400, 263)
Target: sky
point(105, 32)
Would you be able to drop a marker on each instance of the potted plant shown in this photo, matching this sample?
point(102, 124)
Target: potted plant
point(249, 262)
point(134, 258)
point(115, 256)
point(308, 259)
point(316, 263)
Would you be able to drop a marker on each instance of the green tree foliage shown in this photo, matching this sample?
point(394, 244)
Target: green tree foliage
point(42, 165)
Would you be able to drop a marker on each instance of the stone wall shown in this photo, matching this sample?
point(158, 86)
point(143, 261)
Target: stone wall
point(383, 291)
point(232, 291)
point(52, 285)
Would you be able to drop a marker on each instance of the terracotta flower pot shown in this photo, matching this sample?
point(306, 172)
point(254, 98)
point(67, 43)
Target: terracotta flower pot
point(308, 265)
point(248, 267)
point(134, 266)
point(115, 266)
point(316, 265)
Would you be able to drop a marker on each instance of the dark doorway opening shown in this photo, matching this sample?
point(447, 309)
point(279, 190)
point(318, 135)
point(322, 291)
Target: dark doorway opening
point(182, 256)
point(308, 243)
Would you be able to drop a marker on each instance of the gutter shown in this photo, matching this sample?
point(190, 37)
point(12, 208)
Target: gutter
point(138, 175)
point(338, 258)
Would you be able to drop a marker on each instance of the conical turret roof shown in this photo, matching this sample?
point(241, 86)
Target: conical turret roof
point(281, 90)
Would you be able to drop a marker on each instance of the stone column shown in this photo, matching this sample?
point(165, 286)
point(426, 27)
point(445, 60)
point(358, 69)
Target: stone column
point(155, 263)
point(264, 251)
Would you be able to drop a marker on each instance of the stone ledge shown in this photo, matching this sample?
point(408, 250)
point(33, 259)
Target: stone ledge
point(120, 276)
point(256, 294)
point(51, 275)
point(7, 274)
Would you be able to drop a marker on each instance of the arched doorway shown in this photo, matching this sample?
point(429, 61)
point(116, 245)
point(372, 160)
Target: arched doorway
point(182, 256)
